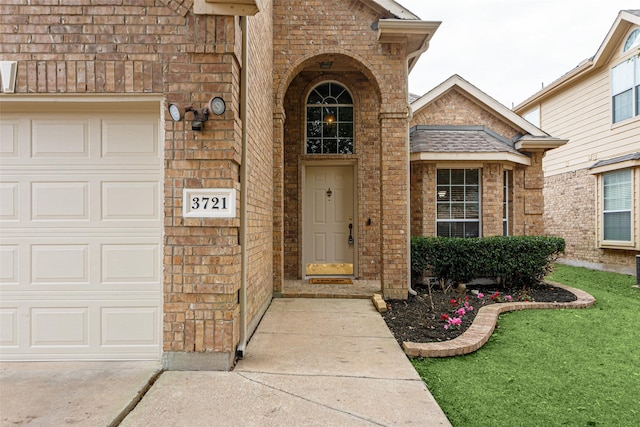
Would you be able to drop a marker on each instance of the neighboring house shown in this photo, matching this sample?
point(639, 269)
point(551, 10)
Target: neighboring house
point(592, 184)
point(476, 167)
point(132, 232)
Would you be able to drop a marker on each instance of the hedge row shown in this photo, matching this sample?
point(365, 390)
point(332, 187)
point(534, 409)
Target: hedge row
point(517, 260)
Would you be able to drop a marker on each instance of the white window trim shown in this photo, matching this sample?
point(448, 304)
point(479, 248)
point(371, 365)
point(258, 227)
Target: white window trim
point(634, 243)
point(480, 205)
point(632, 54)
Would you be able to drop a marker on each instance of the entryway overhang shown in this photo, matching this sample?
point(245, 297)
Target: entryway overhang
point(414, 33)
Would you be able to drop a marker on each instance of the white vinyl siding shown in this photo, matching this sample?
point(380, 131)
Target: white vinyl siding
point(582, 114)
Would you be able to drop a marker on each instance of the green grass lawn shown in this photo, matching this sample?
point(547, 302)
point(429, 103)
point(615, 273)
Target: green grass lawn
point(577, 367)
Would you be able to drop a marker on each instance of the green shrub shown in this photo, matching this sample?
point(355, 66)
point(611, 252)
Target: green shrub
point(516, 260)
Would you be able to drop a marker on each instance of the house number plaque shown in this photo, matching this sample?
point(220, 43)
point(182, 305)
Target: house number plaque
point(209, 203)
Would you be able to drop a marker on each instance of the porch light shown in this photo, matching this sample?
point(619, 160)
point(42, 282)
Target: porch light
point(216, 105)
point(325, 65)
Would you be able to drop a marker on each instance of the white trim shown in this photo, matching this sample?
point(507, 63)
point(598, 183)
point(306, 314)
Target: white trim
point(471, 157)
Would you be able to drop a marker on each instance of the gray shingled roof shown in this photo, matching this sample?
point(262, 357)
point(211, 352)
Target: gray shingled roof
point(620, 159)
point(633, 11)
point(457, 139)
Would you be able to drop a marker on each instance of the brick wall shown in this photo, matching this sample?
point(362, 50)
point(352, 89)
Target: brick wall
point(570, 213)
point(158, 47)
point(306, 33)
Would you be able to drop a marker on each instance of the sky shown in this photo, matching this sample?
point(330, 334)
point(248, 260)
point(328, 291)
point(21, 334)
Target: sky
point(510, 48)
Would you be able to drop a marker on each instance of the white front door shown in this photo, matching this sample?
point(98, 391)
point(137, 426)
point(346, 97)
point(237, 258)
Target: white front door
point(328, 221)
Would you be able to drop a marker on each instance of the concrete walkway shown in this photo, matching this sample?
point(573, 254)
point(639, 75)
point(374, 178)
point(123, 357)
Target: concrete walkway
point(311, 362)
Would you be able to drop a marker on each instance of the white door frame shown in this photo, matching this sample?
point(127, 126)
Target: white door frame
point(302, 229)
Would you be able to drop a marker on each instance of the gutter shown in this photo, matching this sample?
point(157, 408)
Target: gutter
point(244, 101)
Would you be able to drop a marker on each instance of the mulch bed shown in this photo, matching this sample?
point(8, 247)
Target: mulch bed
point(414, 320)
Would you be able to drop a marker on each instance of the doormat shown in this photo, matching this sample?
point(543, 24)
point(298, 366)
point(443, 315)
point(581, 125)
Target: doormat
point(330, 281)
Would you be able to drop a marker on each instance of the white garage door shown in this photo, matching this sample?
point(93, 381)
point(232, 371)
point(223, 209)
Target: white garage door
point(81, 233)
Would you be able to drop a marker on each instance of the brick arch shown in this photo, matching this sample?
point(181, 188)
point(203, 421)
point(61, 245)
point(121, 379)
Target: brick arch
point(358, 62)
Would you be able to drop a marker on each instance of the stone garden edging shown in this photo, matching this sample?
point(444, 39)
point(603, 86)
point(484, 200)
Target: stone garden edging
point(485, 322)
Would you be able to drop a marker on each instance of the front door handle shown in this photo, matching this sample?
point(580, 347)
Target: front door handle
point(350, 240)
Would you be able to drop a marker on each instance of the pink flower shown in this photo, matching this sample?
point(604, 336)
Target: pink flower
point(446, 326)
point(461, 311)
point(508, 298)
point(455, 321)
point(480, 295)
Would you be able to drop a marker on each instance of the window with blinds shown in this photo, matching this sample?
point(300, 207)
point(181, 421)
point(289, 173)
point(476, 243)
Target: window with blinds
point(616, 205)
point(458, 202)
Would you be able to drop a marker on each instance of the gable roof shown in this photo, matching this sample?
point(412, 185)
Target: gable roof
point(454, 142)
point(625, 20)
point(481, 98)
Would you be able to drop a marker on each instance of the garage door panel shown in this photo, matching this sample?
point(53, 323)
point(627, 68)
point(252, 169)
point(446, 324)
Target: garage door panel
point(9, 201)
point(60, 138)
point(114, 199)
point(81, 221)
point(132, 264)
point(126, 326)
point(9, 327)
point(60, 201)
point(9, 264)
point(117, 135)
point(59, 326)
point(60, 264)
point(9, 146)
point(130, 200)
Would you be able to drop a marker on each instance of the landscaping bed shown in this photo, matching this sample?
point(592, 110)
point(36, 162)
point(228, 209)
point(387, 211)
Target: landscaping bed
point(415, 320)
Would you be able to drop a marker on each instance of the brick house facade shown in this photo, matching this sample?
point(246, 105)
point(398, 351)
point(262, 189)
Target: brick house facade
point(456, 127)
point(100, 258)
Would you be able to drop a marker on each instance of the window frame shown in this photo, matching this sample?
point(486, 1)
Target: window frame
point(600, 172)
point(337, 122)
point(450, 202)
point(630, 55)
point(506, 202)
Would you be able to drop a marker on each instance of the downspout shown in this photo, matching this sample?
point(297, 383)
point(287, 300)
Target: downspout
point(409, 116)
point(244, 101)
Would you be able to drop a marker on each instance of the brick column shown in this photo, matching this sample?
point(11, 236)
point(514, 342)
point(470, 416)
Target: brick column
point(278, 200)
point(492, 199)
point(534, 199)
point(394, 203)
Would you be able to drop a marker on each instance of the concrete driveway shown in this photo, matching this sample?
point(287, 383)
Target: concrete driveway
point(311, 362)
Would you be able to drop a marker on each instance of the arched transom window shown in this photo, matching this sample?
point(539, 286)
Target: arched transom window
point(632, 41)
point(329, 120)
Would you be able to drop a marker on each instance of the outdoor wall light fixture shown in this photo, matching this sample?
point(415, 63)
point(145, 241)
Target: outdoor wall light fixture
point(216, 105)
